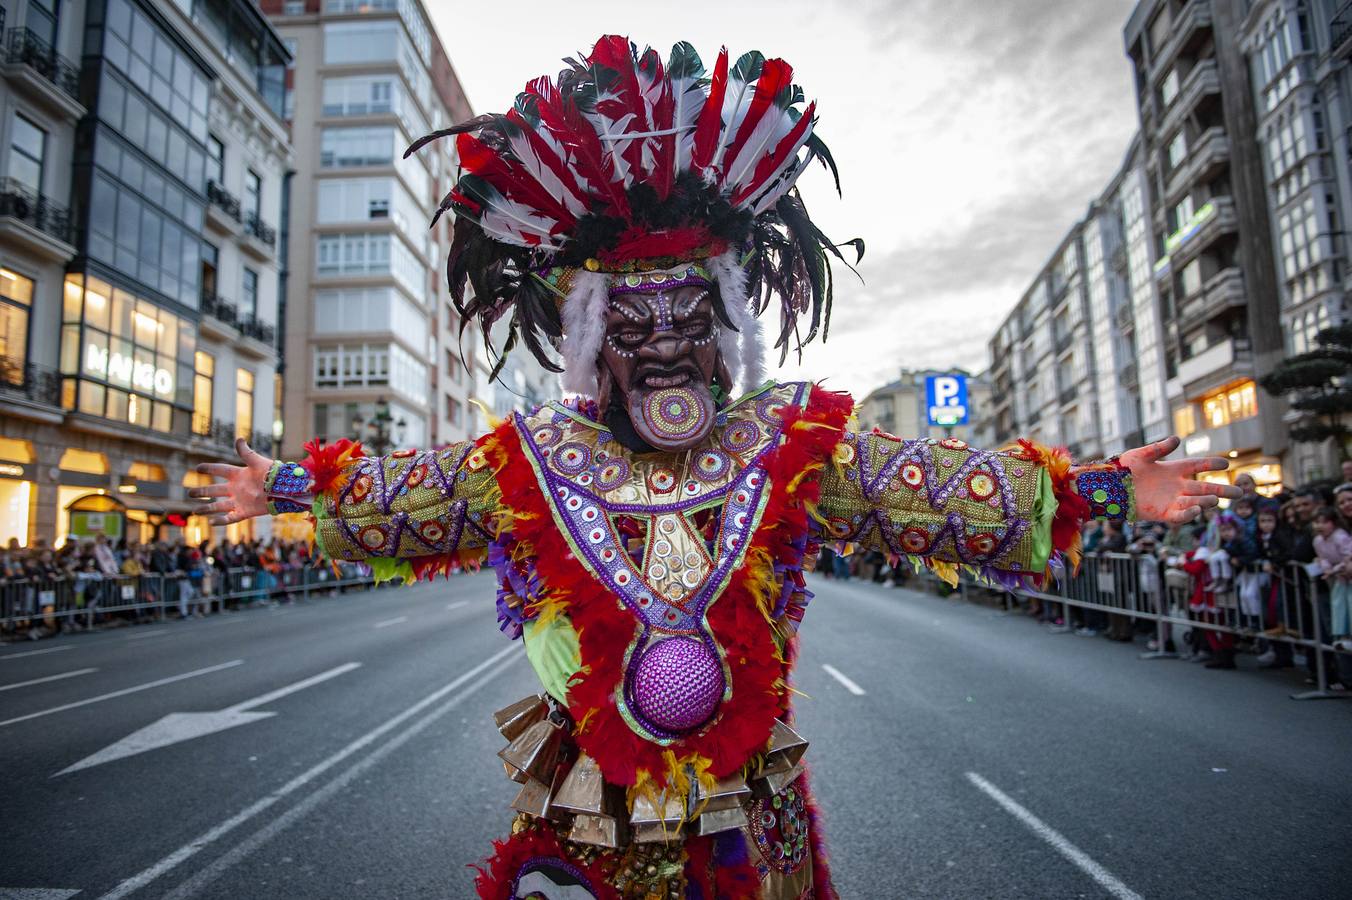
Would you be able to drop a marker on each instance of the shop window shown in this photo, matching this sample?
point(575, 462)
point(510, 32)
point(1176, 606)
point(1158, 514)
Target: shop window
point(244, 404)
point(1185, 421)
point(144, 471)
point(15, 450)
point(16, 299)
point(86, 461)
point(277, 391)
point(132, 359)
point(1237, 402)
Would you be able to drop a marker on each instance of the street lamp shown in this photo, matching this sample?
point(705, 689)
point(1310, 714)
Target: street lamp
point(379, 427)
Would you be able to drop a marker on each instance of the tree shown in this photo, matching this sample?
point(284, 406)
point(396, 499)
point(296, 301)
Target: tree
point(1318, 383)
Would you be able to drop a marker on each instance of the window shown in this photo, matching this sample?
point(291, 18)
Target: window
point(150, 131)
point(370, 254)
point(371, 365)
point(378, 209)
point(248, 301)
point(452, 410)
point(41, 20)
point(244, 404)
point(16, 299)
point(339, 311)
point(126, 358)
point(293, 8)
point(215, 160)
point(1169, 88)
point(1178, 151)
point(27, 150)
point(1185, 422)
point(1191, 278)
point(203, 385)
point(253, 193)
point(135, 46)
point(211, 256)
point(346, 147)
point(1237, 402)
point(453, 367)
point(139, 240)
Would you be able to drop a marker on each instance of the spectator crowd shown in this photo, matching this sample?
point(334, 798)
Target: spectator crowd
point(1254, 577)
point(129, 581)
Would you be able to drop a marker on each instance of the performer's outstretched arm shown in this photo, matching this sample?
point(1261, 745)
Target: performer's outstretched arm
point(1002, 513)
point(427, 506)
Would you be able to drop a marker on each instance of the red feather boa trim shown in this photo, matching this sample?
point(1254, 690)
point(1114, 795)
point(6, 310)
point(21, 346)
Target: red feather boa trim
point(495, 881)
point(738, 619)
point(326, 464)
point(1072, 510)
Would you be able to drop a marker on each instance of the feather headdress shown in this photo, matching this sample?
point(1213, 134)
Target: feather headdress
point(624, 164)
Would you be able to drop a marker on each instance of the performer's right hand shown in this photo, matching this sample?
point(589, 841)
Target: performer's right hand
point(240, 496)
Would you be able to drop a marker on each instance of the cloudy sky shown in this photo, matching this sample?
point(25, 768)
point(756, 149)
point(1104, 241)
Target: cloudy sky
point(970, 134)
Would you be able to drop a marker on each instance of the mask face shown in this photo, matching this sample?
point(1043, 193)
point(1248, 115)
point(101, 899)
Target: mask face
point(659, 359)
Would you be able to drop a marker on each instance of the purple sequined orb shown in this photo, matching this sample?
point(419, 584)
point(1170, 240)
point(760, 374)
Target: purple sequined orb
point(677, 685)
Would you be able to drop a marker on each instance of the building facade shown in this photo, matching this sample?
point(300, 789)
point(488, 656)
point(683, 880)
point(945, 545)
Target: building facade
point(1211, 231)
point(369, 320)
point(1302, 94)
point(123, 368)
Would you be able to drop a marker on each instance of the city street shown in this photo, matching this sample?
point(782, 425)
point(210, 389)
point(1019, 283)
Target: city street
point(349, 753)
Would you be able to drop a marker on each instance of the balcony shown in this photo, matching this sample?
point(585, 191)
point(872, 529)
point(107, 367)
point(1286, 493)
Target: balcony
point(1063, 340)
point(260, 238)
point(1068, 395)
point(38, 223)
point(254, 327)
point(24, 384)
point(1222, 291)
point(221, 310)
point(1220, 363)
point(1208, 154)
point(1340, 32)
point(1124, 318)
point(1194, 17)
point(1212, 220)
point(52, 77)
point(1129, 376)
point(223, 209)
point(1204, 80)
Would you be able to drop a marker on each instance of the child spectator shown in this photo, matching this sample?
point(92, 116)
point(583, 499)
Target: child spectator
point(1243, 509)
point(1333, 547)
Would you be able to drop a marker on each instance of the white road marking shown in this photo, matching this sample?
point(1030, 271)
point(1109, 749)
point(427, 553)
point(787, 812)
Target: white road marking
point(457, 604)
point(839, 676)
point(19, 684)
point(122, 693)
point(1105, 879)
point(37, 893)
point(178, 727)
point(388, 622)
point(260, 837)
point(38, 652)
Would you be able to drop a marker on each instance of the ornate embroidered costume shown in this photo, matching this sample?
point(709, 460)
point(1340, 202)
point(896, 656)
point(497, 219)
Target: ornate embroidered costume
point(650, 544)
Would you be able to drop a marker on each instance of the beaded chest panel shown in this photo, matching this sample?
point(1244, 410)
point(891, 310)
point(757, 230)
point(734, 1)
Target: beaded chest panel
point(662, 533)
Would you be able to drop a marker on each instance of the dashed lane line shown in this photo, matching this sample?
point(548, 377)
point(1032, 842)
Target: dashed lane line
point(490, 668)
point(1086, 864)
point(38, 652)
point(63, 675)
point(159, 682)
point(457, 604)
point(397, 620)
point(843, 679)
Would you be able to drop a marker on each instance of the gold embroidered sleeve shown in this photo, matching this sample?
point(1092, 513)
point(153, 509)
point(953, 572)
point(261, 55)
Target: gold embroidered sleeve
point(409, 504)
point(940, 501)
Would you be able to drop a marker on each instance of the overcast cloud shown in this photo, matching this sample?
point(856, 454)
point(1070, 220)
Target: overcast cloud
point(970, 135)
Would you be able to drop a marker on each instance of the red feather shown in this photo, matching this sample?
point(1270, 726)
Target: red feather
point(617, 54)
point(512, 180)
point(579, 141)
point(776, 159)
point(776, 75)
point(709, 126)
point(326, 464)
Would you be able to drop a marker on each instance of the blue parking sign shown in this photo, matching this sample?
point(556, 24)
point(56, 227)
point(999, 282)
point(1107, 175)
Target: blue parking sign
point(946, 397)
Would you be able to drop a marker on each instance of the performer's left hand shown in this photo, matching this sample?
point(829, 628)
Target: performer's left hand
point(1166, 491)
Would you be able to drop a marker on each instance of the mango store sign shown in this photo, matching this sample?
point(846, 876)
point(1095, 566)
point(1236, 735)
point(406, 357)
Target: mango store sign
point(125, 370)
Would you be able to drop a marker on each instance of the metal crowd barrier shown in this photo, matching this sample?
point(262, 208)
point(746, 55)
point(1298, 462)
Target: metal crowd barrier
point(87, 598)
point(1290, 606)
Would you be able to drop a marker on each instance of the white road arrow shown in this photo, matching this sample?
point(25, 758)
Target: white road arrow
point(177, 727)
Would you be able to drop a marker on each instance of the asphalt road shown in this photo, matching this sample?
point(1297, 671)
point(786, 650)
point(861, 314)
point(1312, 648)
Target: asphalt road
point(957, 752)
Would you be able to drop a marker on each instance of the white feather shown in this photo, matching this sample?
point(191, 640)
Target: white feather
point(530, 159)
point(689, 99)
point(774, 190)
point(584, 330)
point(773, 127)
point(743, 350)
point(735, 104)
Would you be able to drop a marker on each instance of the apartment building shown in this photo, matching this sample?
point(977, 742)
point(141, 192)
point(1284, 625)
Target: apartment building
point(369, 323)
point(1302, 87)
point(122, 368)
point(1210, 227)
point(1042, 358)
point(900, 407)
